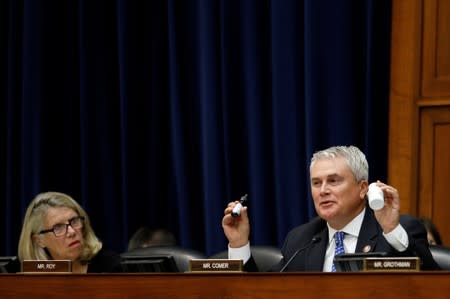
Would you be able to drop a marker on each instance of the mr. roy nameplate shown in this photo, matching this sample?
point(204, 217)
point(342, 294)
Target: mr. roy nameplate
point(215, 265)
point(46, 266)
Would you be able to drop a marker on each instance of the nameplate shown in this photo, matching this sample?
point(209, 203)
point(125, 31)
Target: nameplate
point(215, 265)
point(46, 266)
point(391, 264)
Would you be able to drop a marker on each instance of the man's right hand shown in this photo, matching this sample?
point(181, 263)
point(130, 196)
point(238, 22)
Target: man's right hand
point(236, 229)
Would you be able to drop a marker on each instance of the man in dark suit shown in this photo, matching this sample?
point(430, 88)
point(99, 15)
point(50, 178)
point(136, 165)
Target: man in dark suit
point(339, 184)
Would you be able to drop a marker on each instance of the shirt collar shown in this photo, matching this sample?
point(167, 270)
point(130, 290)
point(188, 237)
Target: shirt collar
point(352, 228)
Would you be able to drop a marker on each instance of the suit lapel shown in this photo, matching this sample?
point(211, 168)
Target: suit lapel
point(367, 241)
point(317, 252)
point(369, 233)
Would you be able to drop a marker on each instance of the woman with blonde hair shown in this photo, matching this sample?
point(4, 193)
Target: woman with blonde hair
point(55, 226)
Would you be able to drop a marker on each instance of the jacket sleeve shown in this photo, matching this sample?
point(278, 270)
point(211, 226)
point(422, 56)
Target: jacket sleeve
point(418, 242)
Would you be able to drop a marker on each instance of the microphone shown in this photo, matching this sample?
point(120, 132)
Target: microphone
point(313, 240)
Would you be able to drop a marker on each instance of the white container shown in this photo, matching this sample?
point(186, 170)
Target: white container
point(375, 196)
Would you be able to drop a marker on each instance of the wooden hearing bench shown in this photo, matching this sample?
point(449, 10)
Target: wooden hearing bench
point(383, 285)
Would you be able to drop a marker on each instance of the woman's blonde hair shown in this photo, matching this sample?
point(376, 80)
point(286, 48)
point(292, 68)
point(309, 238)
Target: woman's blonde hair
point(34, 219)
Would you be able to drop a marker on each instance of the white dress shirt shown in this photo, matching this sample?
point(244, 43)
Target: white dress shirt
point(398, 238)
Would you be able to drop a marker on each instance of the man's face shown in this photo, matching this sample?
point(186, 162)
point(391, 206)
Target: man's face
point(338, 197)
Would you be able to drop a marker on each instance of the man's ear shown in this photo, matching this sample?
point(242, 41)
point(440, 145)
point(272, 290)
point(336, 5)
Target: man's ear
point(39, 240)
point(364, 187)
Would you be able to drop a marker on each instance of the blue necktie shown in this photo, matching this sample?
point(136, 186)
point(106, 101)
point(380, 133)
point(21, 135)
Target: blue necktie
point(339, 238)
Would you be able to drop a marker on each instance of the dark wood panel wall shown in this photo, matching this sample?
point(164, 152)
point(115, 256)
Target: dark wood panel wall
point(419, 130)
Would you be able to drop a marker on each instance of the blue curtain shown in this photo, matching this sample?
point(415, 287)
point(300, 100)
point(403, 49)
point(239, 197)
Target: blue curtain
point(160, 112)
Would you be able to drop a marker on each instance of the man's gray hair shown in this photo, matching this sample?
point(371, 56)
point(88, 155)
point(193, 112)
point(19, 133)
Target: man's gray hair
point(355, 159)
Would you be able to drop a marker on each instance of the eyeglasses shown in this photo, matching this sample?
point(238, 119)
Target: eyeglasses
point(60, 229)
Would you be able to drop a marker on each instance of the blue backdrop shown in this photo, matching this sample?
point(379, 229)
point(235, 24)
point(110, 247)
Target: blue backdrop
point(160, 112)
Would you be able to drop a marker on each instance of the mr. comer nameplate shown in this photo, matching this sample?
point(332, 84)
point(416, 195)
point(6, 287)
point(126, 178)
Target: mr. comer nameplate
point(215, 265)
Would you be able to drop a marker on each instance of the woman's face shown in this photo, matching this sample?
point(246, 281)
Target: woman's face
point(67, 246)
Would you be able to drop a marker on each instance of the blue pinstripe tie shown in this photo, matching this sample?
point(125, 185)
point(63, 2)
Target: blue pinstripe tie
point(339, 238)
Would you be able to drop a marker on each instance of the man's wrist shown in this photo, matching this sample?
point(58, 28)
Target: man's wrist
point(241, 253)
point(238, 244)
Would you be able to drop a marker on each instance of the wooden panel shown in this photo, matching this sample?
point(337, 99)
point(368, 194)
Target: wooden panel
point(386, 285)
point(434, 170)
point(436, 49)
point(420, 80)
point(404, 90)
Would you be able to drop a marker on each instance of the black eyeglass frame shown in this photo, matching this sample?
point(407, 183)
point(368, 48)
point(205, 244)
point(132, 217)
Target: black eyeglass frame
point(71, 221)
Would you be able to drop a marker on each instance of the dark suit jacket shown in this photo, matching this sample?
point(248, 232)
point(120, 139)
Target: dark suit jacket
point(105, 262)
point(313, 237)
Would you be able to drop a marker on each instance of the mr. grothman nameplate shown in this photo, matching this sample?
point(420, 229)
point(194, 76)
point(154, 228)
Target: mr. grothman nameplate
point(46, 266)
point(391, 264)
point(215, 265)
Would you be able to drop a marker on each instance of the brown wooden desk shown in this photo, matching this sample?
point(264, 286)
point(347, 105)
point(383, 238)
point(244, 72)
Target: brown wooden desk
point(228, 285)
